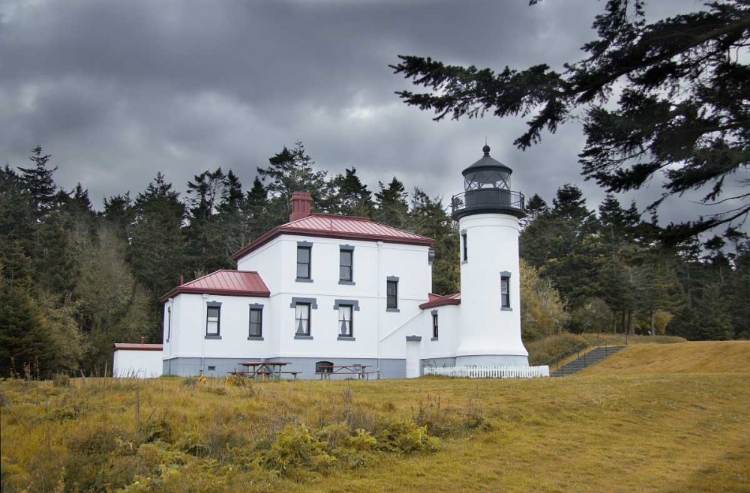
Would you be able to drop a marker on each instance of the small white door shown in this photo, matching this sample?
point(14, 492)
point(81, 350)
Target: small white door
point(412, 359)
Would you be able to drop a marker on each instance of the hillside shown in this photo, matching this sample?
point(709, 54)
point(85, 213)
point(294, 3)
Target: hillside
point(648, 432)
point(686, 357)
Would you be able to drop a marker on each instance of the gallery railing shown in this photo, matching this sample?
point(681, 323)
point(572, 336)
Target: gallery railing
point(487, 199)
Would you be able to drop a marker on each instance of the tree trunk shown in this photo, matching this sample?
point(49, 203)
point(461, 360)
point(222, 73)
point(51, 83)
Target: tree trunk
point(651, 322)
point(624, 327)
point(631, 327)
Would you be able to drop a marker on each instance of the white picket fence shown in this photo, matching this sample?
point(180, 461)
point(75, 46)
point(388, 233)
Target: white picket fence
point(488, 371)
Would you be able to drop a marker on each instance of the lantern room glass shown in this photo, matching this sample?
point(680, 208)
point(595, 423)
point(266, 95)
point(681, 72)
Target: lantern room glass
point(488, 178)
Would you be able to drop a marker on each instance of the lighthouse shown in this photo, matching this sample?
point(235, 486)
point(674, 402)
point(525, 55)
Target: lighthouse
point(487, 213)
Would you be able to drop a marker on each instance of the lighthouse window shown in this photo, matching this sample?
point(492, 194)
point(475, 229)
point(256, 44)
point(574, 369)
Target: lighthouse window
point(466, 247)
point(392, 294)
point(434, 324)
point(505, 291)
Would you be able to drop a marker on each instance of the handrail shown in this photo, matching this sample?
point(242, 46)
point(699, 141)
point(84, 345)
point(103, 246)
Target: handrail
point(579, 347)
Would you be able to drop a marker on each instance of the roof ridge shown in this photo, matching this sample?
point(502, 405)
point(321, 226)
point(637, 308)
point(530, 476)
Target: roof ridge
point(341, 216)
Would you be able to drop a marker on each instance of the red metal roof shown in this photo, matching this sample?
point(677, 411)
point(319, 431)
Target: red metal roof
point(332, 226)
point(127, 346)
point(224, 282)
point(435, 300)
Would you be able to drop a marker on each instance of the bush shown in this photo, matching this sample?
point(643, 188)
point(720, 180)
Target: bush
point(61, 380)
point(405, 437)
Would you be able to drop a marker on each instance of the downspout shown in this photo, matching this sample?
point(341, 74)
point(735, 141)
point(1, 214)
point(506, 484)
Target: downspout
point(203, 339)
point(380, 243)
point(170, 332)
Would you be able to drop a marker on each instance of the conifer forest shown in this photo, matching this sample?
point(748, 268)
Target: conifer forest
point(77, 276)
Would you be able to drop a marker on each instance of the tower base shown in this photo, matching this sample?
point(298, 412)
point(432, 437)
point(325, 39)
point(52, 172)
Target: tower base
point(492, 360)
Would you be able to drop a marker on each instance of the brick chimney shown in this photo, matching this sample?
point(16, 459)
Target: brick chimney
point(301, 203)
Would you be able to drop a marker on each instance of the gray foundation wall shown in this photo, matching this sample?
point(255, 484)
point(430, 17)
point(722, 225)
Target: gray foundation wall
point(186, 367)
point(436, 362)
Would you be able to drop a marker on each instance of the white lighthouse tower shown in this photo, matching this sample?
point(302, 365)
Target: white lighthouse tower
point(488, 213)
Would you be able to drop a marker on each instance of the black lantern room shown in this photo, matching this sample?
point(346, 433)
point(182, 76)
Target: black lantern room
point(487, 190)
point(487, 173)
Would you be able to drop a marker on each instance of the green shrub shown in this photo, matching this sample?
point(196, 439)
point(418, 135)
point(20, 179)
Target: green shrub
point(405, 437)
point(296, 448)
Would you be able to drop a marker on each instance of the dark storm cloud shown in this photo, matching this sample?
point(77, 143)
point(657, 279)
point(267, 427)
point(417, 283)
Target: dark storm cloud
point(118, 90)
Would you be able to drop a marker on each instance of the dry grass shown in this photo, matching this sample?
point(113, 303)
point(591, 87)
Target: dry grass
point(542, 350)
point(687, 357)
point(603, 432)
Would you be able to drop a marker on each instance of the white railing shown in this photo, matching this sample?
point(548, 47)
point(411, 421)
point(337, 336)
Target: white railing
point(488, 371)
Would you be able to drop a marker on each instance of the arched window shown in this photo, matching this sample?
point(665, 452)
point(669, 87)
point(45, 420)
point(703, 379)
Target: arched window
point(323, 367)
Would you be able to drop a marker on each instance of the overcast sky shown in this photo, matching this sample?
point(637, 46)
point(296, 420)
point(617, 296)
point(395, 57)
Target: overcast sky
point(118, 90)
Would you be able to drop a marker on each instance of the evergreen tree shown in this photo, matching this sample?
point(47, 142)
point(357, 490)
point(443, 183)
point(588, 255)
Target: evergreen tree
point(256, 209)
point(289, 171)
point(351, 196)
point(39, 183)
point(562, 244)
point(157, 248)
point(16, 221)
point(535, 206)
point(428, 218)
point(392, 208)
point(119, 211)
point(205, 234)
point(681, 110)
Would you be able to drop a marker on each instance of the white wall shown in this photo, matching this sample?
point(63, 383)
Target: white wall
point(189, 328)
point(136, 363)
point(487, 329)
point(276, 262)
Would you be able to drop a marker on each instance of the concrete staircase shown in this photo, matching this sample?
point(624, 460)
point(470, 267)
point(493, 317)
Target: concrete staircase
point(591, 358)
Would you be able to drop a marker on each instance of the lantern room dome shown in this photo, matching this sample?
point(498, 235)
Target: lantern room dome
point(487, 173)
point(487, 190)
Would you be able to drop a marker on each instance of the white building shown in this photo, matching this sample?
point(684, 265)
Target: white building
point(326, 289)
point(137, 360)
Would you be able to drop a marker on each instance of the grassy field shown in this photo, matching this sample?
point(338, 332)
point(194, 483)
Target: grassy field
point(647, 428)
point(694, 357)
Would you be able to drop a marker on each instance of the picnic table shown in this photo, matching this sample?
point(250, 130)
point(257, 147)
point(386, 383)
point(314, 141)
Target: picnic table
point(325, 371)
point(270, 369)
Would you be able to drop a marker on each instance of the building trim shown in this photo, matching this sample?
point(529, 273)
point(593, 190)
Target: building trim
point(353, 303)
point(313, 302)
